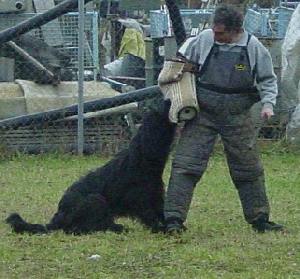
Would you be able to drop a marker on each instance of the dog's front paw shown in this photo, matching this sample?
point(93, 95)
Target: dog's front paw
point(159, 227)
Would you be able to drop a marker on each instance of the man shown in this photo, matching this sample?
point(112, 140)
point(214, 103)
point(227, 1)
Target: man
point(234, 71)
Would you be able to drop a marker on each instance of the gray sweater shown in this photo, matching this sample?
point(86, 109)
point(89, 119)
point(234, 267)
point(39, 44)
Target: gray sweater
point(196, 50)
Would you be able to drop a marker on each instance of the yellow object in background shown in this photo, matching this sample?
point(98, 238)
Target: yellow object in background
point(132, 42)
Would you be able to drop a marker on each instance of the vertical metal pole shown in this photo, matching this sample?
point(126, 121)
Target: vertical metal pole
point(95, 45)
point(80, 134)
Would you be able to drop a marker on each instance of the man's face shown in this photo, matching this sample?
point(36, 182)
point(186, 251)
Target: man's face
point(222, 35)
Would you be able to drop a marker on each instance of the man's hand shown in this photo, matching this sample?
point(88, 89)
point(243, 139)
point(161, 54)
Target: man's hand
point(267, 112)
point(171, 72)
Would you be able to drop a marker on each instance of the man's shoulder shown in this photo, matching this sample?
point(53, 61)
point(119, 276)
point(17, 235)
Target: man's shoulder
point(206, 33)
point(204, 37)
point(254, 41)
point(256, 45)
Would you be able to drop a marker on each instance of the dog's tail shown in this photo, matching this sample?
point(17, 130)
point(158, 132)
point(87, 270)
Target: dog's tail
point(19, 225)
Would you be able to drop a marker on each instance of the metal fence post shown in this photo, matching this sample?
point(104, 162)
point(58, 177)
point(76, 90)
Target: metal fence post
point(95, 45)
point(80, 131)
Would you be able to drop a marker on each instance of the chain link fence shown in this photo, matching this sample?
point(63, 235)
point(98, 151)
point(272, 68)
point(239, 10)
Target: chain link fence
point(39, 87)
point(122, 57)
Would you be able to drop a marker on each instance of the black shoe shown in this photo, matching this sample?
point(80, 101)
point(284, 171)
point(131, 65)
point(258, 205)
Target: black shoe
point(174, 226)
point(263, 226)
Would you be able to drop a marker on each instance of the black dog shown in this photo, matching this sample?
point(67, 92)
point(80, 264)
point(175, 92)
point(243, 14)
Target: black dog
point(129, 185)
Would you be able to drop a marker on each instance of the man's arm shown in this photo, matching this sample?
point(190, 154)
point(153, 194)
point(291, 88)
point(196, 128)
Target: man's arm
point(188, 50)
point(266, 80)
point(196, 49)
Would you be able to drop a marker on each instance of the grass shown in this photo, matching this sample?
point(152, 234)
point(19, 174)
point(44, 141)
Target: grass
point(218, 244)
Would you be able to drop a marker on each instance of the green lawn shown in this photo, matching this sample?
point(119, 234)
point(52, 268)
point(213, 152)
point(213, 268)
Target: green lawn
point(218, 243)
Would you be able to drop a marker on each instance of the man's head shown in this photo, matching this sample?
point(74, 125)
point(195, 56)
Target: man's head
point(227, 24)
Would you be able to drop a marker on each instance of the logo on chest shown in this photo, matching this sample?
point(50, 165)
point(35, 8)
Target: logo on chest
point(240, 67)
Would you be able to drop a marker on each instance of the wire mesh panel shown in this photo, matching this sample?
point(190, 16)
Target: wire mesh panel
point(44, 120)
point(64, 36)
point(268, 22)
point(192, 19)
point(103, 134)
point(70, 35)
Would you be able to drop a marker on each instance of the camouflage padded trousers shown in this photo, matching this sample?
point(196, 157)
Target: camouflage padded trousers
point(192, 154)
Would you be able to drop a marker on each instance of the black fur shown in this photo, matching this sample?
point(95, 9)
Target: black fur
point(129, 185)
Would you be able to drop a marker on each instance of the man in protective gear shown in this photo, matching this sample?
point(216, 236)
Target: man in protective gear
point(234, 71)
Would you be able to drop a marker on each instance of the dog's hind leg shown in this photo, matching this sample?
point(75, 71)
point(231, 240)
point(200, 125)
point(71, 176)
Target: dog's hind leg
point(89, 214)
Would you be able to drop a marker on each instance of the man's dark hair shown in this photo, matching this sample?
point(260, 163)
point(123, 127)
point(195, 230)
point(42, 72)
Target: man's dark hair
point(229, 16)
